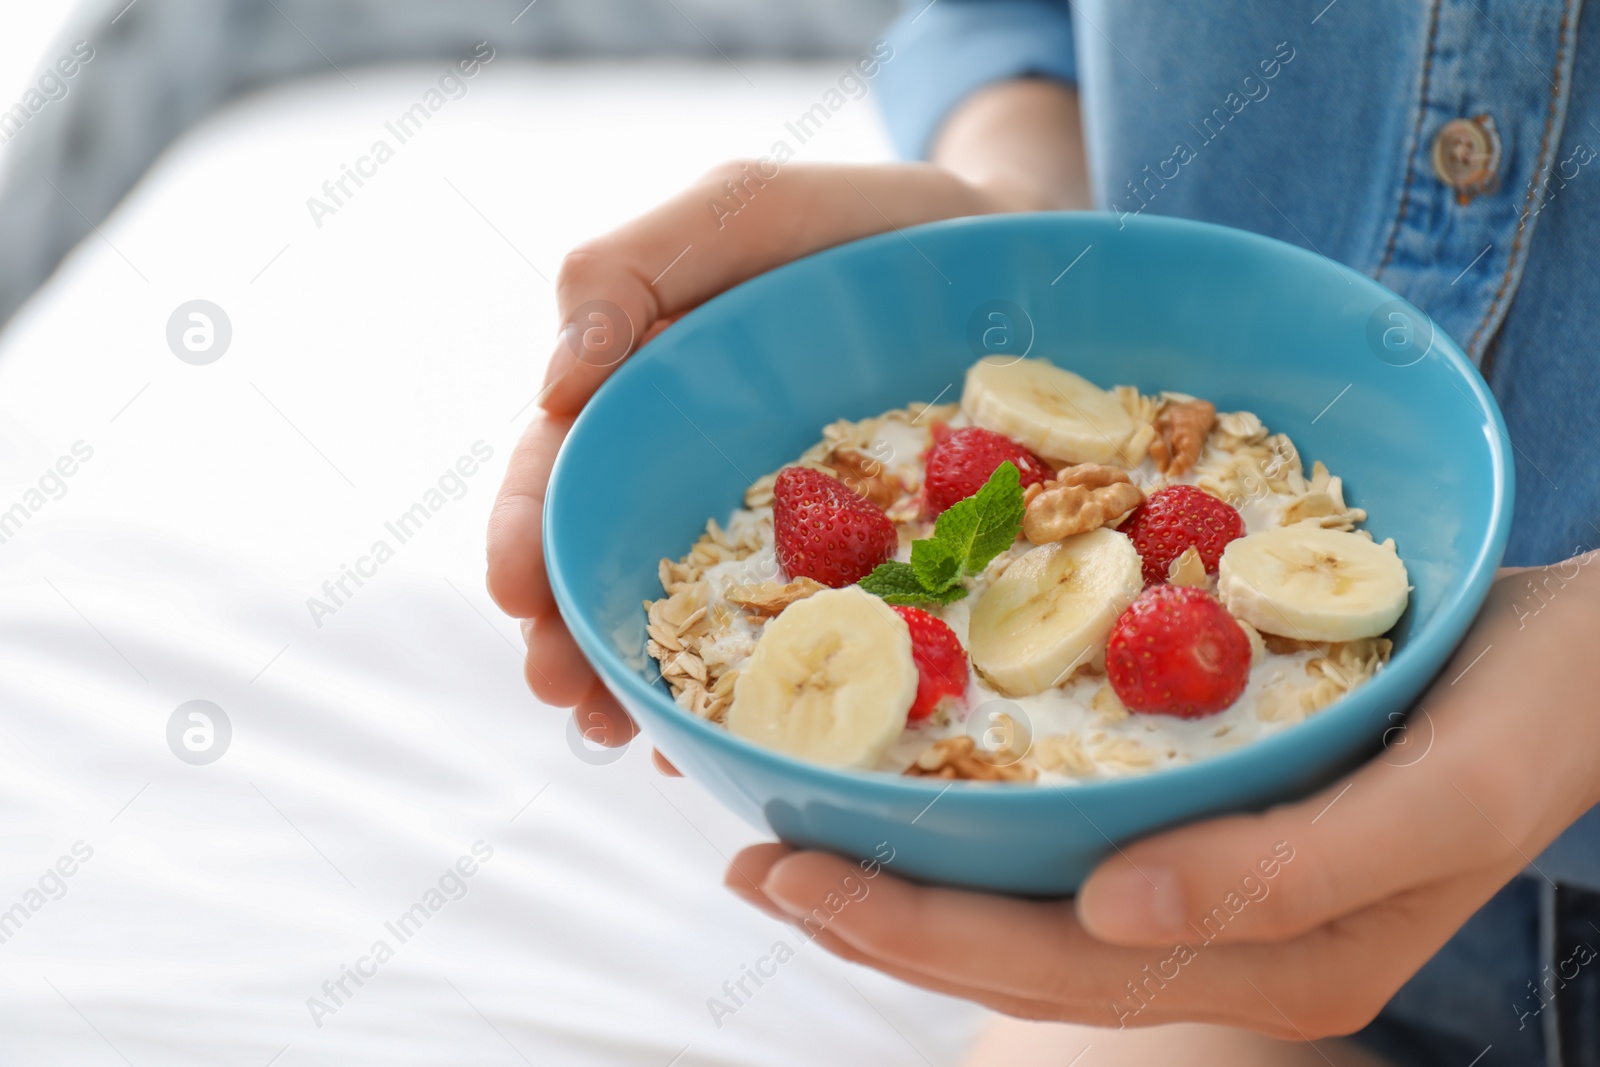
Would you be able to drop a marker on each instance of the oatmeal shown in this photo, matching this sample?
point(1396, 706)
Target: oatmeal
point(1047, 582)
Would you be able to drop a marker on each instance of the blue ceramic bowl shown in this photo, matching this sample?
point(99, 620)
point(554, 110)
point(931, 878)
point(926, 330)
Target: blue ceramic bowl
point(744, 384)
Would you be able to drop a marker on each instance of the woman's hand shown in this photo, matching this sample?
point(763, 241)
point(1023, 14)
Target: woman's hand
point(617, 292)
point(1300, 922)
point(1014, 146)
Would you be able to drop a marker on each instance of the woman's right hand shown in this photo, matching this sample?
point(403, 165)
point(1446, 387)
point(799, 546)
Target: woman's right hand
point(618, 291)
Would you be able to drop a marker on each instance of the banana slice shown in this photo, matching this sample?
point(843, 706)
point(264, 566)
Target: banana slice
point(1314, 584)
point(1052, 610)
point(830, 680)
point(1054, 412)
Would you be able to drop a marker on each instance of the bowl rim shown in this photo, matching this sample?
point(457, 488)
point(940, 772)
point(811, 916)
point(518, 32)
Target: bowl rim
point(1449, 624)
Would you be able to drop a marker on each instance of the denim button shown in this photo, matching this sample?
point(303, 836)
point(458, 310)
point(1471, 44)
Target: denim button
point(1466, 156)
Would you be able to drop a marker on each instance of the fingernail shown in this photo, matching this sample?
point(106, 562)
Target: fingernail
point(740, 886)
point(1127, 903)
point(564, 356)
point(772, 889)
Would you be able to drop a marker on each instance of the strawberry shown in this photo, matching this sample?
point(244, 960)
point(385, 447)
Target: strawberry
point(960, 461)
point(1178, 517)
point(1177, 651)
point(941, 661)
point(827, 531)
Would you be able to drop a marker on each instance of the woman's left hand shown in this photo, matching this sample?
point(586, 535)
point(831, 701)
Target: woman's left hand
point(1300, 922)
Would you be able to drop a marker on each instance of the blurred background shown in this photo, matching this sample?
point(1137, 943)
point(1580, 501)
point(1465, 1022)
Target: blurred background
point(237, 743)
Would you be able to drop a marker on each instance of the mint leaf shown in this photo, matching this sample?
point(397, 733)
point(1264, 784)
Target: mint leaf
point(999, 511)
point(946, 596)
point(897, 583)
point(976, 530)
point(892, 579)
point(965, 538)
point(937, 562)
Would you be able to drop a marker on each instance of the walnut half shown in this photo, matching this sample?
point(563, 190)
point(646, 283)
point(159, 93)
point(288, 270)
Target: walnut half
point(1181, 431)
point(1081, 498)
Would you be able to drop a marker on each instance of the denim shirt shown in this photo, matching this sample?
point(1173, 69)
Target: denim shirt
point(1316, 123)
point(1448, 149)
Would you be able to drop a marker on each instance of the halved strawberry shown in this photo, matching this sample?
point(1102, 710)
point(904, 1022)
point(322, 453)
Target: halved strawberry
point(941, 661)
point(961, 461)
point(826, 531)
point(1178, 517)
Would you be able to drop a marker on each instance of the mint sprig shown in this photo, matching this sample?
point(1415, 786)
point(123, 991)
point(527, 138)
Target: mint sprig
point(965, 538)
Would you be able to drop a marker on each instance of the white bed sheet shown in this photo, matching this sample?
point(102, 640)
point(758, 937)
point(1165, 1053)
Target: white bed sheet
point(372, 751)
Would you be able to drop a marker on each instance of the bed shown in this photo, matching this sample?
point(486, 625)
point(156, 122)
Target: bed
point(367, 768)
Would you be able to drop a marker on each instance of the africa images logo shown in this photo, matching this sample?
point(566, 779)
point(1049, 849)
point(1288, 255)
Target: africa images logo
point(339, 590)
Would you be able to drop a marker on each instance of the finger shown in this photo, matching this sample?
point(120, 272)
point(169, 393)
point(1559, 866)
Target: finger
point(1274, 876)
point(1000, 944)
point(988, 948)
point(1018, 1007)
point(1336, 979)
point(1467, 791)
point(601, 720)
point(1330, 981)
point(1024, 958)
point(594, 338)
point(738, 221)
point(750, 868)
point(606, 303)
point(516, 578)
point(664, 765)
point(555, 668)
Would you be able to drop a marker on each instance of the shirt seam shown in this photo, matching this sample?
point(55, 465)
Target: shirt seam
point(1416, 138)
point(1526, 223)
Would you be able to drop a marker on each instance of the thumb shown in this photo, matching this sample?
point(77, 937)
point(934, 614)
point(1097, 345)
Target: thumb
point(1463, 786)
point(1281, 873)
point(739, 220)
